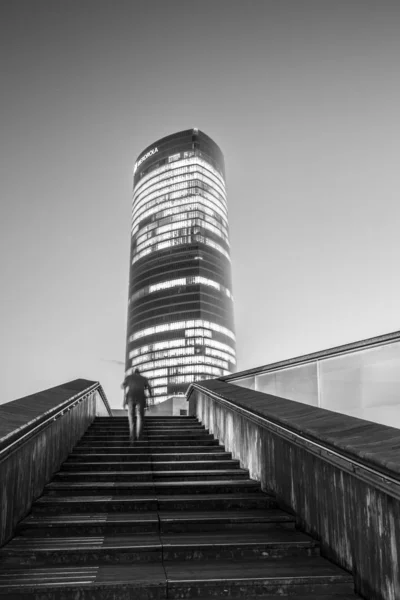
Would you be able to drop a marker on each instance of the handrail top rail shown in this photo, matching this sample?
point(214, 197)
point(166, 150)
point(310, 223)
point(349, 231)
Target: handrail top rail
point(19, 417)
point(369, 343)
point(364, 443)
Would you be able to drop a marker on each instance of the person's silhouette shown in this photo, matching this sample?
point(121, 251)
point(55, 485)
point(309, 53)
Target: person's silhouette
point(135, 401)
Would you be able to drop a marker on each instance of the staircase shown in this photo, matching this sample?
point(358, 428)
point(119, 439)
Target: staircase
point(173, 516)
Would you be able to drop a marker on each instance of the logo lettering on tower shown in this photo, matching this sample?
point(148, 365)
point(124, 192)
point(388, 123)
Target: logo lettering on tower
point(139, 162)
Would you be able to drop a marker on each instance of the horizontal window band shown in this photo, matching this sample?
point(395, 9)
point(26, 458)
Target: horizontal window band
point(195, 181)
point(196, 186)
point(188, 169)
point(215, 264)
point(169, 336)
point(191, 219)
point(188, 162)
point(147, 317)
point(179, 325)
point(181, 354)
point(161, 224)
point(180, 170)
point(173, 209)
point(143, 282)
point(223, 317)
point(182, 343)
point(181, 229)
point(178, 199)
point(177, 362)
point(196, 239)
point(170, 286)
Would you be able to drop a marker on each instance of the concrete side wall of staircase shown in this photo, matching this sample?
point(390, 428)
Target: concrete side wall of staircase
point(30, 465)
point(357, 523)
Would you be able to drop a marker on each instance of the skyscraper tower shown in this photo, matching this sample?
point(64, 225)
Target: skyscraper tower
point(180, 306)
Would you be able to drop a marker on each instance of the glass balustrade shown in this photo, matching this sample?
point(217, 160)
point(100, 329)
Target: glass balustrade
point(360, 379)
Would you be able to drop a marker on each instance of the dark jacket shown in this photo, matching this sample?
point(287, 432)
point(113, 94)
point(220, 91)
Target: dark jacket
point(136, 385)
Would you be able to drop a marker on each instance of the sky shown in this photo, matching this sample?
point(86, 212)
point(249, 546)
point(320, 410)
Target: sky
point(303, 98)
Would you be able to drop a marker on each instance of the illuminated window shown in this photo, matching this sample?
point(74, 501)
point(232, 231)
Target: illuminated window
point(176, 229)
point(158, 391)
point(182, 202)
point(178, 361)
point(180, 223)
point(200, 177)
point(184, 166)
point(181, 325)
point(182, 281)
point(184, 240)
point(193, 332)
point(220, 354)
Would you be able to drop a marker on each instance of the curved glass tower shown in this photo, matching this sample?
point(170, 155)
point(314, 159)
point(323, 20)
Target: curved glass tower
point(180, 306)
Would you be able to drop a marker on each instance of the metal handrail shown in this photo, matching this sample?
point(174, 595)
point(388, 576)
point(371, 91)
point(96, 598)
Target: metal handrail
point(369, 343)
point(386, 483)
point(29, 432)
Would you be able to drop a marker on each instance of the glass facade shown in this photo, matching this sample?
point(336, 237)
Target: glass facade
point(180, 306)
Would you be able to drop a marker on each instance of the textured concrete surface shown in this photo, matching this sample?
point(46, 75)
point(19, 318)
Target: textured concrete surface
point(357, 522)
point(28, 459)
point(17, 416)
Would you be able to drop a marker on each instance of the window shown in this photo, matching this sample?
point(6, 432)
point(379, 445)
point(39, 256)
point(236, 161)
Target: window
point(182, 412)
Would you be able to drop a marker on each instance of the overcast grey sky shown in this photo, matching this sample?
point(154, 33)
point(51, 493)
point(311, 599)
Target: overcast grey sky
point(302, 96)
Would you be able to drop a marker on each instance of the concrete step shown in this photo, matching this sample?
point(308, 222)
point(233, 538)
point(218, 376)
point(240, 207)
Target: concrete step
point(153, 443)
point(93, 524)
point(147, 430)
point(231, 544)
point(148, 421)
point(150, 581)
point(285, 577)
point(152, 475)
point(143, 581)
point(176, 465)
point(118, 523)
point(147, 437)
point(149, 418)
point(246, 519)
point(149, 450)
point(87, 504)
point(61, 488)
point(170, 427)
point(77, 551)
point(178, 503)
point(212, 501)
point(209, 456)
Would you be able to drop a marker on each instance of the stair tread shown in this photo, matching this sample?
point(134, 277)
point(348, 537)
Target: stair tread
point(92, 518)
point(150, 455)
point(148, 462)
point(155, 473)
point(270, 537)
point(311, 567)
point(96, 498)
point(143, 574)
point(164, 498)
point(144, 484)
point(27, 544)
point(254, 515)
